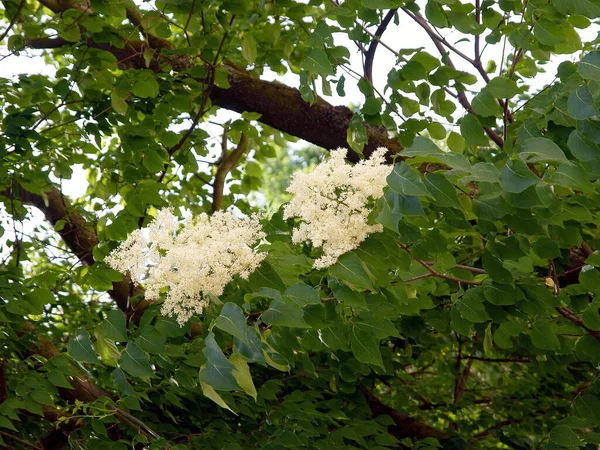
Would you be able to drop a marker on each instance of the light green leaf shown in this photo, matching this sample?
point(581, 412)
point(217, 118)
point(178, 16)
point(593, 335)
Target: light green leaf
point(571, 176)
point(249, 50)
point(210, 393)
point(484, 104)
point(242, 374)
point(317, 62)
point(118, 102)
point(501, 87)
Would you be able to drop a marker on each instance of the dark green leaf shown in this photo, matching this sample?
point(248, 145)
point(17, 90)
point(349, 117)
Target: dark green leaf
point(134, 362)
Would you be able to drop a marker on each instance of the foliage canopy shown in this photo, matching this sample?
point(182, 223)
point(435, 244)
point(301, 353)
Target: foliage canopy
point(471, 321)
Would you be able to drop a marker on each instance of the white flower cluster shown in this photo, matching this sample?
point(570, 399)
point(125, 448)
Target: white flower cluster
point(334, 201)
point(189, 261)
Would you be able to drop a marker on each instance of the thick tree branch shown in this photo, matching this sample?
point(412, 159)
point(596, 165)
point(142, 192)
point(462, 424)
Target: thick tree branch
point(228, 162)
point(280, 106)
point(405, 426)
point(76, 232)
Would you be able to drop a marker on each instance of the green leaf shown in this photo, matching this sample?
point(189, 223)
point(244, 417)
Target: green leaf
point(548, 33)
point(501, 87)
point(544, 337)
point(365, 347)
point(583, 148)
point(356, 135)
point(80, 347)
point(114, 327)
point(302, 294)
point(455, 142)
point(222, 78)
point(249, 48)
point(495, 269)
point(317, 62)
point(471, 306)
point(285, 313)
point(146, 85)
point(484, 104)
point(581, 104)
point(210, 393)
point(588, 407)
point(218, 371)
point(349, 268)
point(435, 14)
point(424, 149)
point(120, 382)
point(153, 160)
point(232, 321)
point(442, 190)
point(406, 180)
point(472, 131)
point(242, 374)
point(118, 102)
point(563, 435)
point(502, 294)
point(6, 423)
point(515, 177)
point(571, 176)
point(379, 327)
point(345, 294)
point(589, 67)
point(134, 362)
point(542, 149)
point(151, 340)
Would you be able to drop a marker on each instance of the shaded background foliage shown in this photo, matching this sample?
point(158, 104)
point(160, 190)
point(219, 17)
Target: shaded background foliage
point(470, 322)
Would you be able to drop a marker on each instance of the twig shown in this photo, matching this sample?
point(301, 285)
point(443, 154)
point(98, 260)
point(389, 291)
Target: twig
point(439, 43)
point(141, 424)
point(498, 360)
point(570, 315)
point(370, 56)
point(13, 20)
point(22, 441)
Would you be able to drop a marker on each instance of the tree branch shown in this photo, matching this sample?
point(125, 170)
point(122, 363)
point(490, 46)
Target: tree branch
point(228, 162)
point(370, 56)
point(77, 233)
point(439, 43)
point(405, 426)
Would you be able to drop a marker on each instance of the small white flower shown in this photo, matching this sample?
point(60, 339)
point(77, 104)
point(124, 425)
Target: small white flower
point(189, 261)
point(334, 201)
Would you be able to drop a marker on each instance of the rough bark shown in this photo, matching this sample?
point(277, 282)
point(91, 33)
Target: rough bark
point(405, 426)
point(77, 233)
